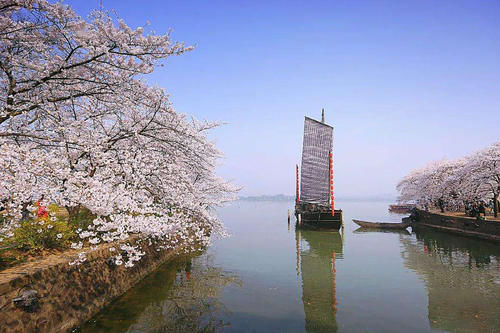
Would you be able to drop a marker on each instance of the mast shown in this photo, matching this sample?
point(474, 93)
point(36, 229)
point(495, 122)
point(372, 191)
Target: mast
point(323, 115)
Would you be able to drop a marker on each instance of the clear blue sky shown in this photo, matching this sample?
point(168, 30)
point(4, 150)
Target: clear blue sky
point(402, 82)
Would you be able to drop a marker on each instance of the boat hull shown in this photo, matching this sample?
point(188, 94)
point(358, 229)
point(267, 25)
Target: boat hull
point(319, 218)
point(377, 225)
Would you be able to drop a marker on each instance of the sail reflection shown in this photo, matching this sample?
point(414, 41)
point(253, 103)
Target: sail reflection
point(462, 277)
point(316, 258)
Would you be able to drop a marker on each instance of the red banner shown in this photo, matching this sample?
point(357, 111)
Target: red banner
point(332, 198)
point(297, 181)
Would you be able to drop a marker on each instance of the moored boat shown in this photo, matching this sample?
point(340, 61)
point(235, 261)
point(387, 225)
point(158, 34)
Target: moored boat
point(382, 225)
point(319, 216)
point(315, 204)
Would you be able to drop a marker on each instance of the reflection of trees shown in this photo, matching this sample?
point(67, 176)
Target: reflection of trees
point(192, 304)
point(461, 275)
point(479, 253)
point(182, 296)
point(316, 263)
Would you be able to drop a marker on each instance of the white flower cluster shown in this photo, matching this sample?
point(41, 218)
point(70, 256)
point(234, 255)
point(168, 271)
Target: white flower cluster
point(82, 257)
point(79, 126)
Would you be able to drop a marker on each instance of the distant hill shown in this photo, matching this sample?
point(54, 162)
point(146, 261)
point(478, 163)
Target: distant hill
point(277, 197)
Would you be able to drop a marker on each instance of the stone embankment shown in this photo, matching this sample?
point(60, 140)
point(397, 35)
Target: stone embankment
point(467, 226)
point(49, 295)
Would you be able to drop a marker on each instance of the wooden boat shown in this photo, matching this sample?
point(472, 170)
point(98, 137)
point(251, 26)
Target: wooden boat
point(318, 219)
point(314, 205)
point(382, 225)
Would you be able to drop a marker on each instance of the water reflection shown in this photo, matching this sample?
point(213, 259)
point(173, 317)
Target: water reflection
point(317, 252)
point(183, 296)
point(361, 230)
point(289, 281)
point(462, 277)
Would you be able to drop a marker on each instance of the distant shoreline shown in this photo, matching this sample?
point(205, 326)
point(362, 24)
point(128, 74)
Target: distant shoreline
point(282, 197)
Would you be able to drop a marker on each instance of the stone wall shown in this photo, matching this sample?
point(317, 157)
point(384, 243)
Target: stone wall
point(65, 295)
point(467, 226)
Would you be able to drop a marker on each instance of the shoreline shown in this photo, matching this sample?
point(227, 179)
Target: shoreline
point(488, 229)
point(58, 297)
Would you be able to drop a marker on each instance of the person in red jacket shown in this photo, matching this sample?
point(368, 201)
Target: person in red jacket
point(42, 210)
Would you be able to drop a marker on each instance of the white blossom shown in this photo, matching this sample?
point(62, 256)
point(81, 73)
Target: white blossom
point(455, 182)
point(80, 126)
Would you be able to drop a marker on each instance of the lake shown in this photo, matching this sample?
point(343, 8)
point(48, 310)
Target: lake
point(268, 277)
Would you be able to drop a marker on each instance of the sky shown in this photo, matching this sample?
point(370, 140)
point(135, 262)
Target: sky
point(402, 82)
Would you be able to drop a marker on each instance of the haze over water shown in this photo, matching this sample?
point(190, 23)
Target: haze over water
point(267, 277)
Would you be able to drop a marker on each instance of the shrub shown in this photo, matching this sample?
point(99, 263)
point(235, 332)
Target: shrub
point(38, 234)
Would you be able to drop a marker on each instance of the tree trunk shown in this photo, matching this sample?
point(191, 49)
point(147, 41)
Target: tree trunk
point(25, 213)
point(72, 212)
point(495, 205)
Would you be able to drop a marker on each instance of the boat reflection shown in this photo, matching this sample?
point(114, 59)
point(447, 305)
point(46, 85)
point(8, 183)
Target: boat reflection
point(361, 230)
point(317, 252)
point(462, 276)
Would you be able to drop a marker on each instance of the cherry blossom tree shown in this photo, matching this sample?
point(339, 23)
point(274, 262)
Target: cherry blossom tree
point(50, 56)
point(425, 184)
point(482, 174)
point(80, 126)
point(475, 177)
point(452, 182)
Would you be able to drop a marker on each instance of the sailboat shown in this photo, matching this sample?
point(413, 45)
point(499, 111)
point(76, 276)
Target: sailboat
point(315, 201)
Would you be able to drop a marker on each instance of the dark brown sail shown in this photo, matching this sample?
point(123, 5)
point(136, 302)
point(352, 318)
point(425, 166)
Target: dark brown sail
point(315, 205)
point(315, 171)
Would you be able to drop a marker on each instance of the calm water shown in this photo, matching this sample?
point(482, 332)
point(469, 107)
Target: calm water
point(268, 277)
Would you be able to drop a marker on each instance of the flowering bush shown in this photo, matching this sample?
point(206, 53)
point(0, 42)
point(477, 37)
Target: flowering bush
point(33, 236)
point(39, 234)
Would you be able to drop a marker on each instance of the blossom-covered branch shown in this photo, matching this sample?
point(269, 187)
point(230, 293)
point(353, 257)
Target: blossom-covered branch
point(49, 55)
point(80, 128)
